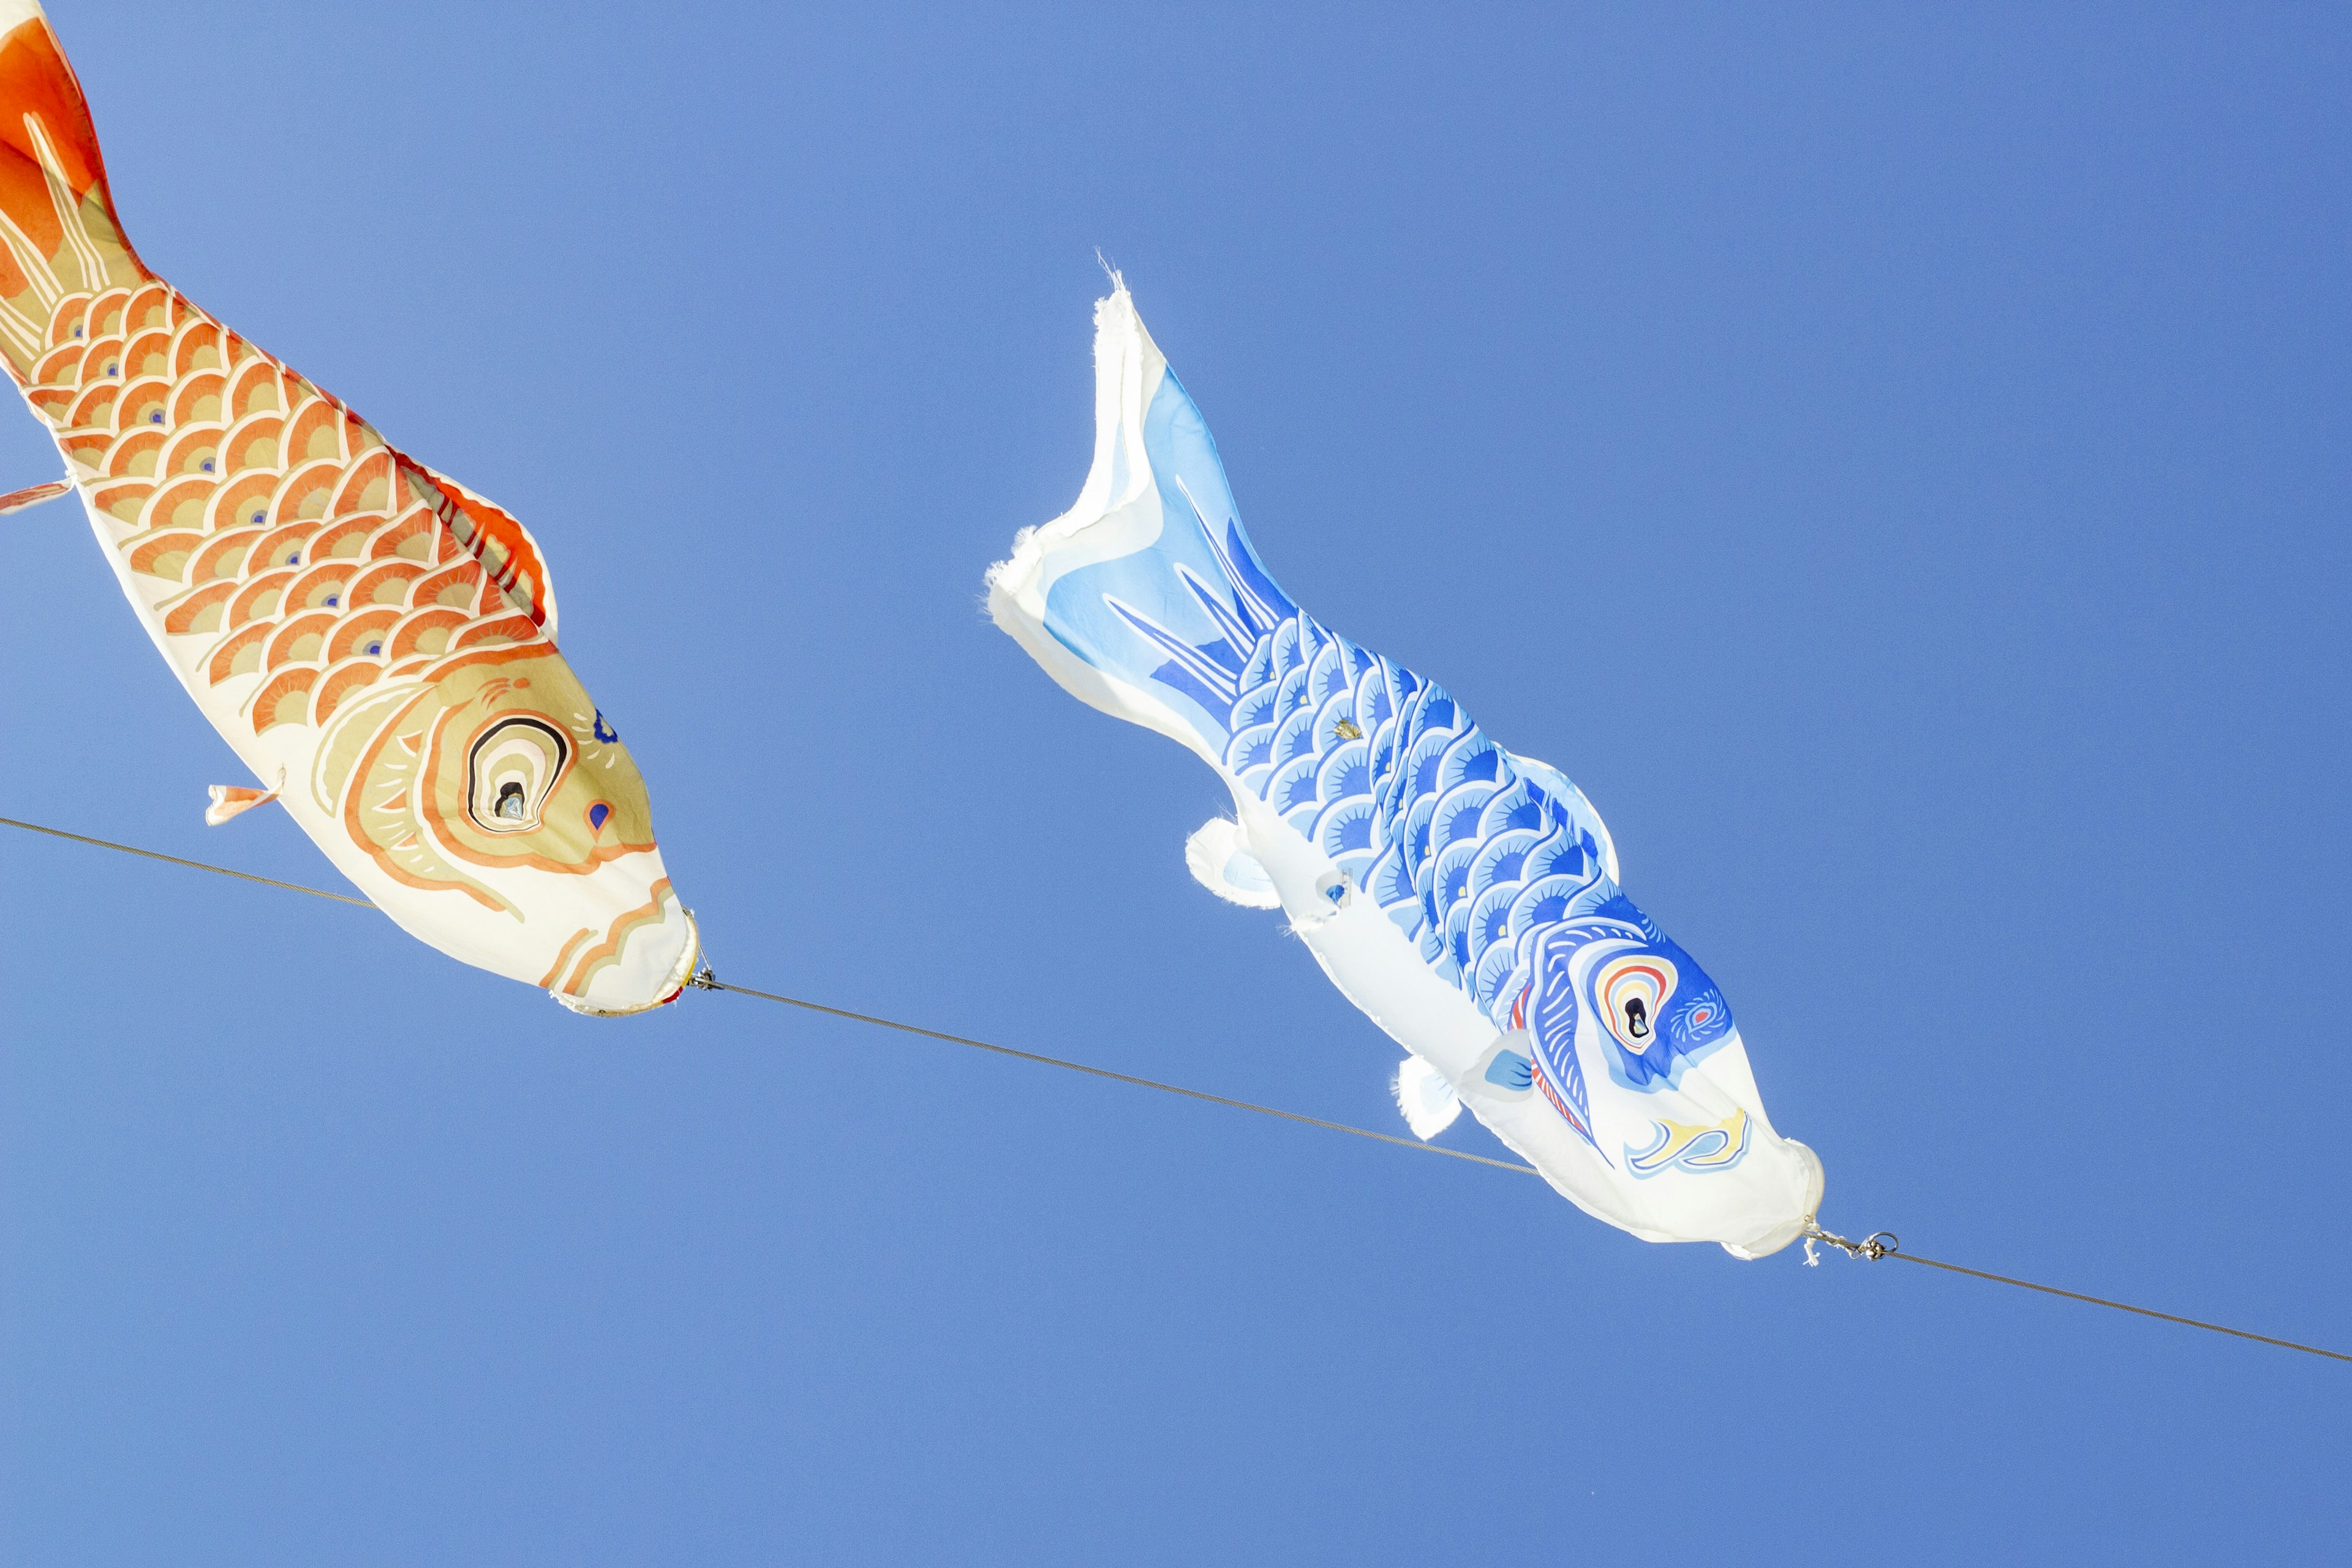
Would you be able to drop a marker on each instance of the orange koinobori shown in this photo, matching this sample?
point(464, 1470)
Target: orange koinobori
point(374, 640)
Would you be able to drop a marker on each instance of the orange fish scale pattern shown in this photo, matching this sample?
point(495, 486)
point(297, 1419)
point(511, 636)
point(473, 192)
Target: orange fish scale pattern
point(305, 550)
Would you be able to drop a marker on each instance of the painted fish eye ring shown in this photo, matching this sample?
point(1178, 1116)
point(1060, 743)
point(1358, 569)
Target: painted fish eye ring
point(1633, 991)
point(511, 768)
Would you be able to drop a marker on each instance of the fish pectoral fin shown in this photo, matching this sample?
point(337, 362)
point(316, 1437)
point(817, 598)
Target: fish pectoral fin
point(34, 495)
point(1221, 862)
point(234, 800)
point(1428, 1102)
point(1505, 1073)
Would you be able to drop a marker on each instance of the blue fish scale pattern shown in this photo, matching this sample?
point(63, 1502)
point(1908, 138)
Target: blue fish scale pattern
point(1472, 858)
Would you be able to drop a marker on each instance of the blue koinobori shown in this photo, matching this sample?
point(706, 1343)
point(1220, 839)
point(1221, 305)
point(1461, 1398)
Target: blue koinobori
point(1463, 897)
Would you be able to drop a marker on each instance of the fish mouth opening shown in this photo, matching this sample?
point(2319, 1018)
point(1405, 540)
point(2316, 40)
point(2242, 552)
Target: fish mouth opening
point(1788, 1229)
point(667, 991)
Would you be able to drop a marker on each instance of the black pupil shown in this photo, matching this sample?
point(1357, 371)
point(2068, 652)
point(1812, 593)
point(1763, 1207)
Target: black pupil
point(509, 800)
point(1637, 1019)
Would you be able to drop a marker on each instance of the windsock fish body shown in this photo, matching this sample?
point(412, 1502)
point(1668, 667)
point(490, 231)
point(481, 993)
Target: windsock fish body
point(1466, 897)
point(374, 640)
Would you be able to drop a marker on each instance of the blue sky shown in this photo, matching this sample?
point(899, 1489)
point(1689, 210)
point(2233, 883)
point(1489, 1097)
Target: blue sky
point(1896, 465)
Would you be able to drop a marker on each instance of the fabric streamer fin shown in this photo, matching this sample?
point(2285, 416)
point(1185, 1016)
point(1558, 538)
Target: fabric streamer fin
point(34, 495)
point(234, 800)
point(1428, 1102)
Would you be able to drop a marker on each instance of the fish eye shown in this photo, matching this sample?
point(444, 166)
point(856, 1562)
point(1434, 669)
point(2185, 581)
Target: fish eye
point(512, 769)
point(1632, 991)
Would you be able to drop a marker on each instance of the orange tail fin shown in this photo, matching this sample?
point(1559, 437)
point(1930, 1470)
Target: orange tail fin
point(60, 243)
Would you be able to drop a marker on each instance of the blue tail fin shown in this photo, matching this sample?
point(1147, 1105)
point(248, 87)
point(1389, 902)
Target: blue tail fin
point(1145, 598)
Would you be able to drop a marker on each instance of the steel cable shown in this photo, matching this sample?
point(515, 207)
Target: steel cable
point(1872, 1250)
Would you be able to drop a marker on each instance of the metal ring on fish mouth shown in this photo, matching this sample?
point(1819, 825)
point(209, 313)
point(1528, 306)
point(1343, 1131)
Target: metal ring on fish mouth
point(673, 985)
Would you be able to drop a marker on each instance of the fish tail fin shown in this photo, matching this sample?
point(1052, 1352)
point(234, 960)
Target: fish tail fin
point(1145, 599)
point(60, 245)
